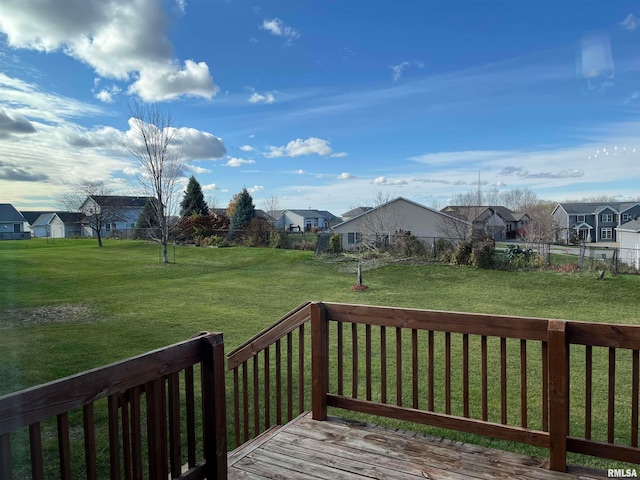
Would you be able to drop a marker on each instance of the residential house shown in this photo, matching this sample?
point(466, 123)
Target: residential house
point(628, 235)
point(116, 215)
point(12, 223)
point(299, 220)
point(398, 216)
point(52, 224)
point(259, 213)
point(496, 221)
point(592, 222)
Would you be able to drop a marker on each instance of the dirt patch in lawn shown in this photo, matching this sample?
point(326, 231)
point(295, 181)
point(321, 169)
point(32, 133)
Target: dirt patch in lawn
point(48, 314)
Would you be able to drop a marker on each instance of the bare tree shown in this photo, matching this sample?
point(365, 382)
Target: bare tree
point(380, 222)
point(152, 141)
point(81, 198)
point(272, 207)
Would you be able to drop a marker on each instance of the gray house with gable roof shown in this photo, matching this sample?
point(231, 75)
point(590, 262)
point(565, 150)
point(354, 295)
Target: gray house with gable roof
point(306, 220)
point(12, 223)
point(592, 222)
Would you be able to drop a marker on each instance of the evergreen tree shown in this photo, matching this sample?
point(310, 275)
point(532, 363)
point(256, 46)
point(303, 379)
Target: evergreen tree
point(193, 201)
point(147, 224)
point(243, 213)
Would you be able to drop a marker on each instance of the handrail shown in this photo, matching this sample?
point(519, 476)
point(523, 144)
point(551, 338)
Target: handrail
point(152, 376)
point(269, 335)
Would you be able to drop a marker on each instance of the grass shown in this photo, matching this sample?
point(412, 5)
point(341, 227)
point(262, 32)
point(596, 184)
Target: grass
point(69, 306)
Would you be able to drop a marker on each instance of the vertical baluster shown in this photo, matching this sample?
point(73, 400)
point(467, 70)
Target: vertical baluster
point(174, 424)
point(465, 375)
point(35, 446)
point(5, 456)
point(383, 364)
point(354, 365)
point(524, 420)
point(367, 334)
point(484, 374)
point(267, 390)
point(588, 383)
point(157, 428)
point(612, 388)
point(634, 396)
point(447, 372)
point(191, 413)
point(431, 373)
point(89, 441)
point(245, 401)
point(126, 436)
point(289, 376)
point(114, 437)
point(236, 409)
point(64, 449)
point(136, 429)
point(545, 387)
point(414, 363)
point(301, 369)
point(503, 380)
point(278, 382)
point(256, 397)
point(398, 366)
point(340, 335)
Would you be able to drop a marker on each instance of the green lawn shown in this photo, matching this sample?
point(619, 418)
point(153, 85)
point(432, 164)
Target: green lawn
point(69, 306)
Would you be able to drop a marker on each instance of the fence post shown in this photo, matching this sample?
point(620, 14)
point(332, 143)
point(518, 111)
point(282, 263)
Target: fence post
point(215, 406)
point(558, 361)
point(319, 361)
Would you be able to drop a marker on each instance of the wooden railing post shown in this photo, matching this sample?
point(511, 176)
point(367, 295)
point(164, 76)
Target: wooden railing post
point(558, 395)
point(215, 406)
point(319, 361)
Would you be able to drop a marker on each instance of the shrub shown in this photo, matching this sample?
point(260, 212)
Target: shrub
point(194, 228)
point(443, 250)
point(307, 245)
point(279, 239)
point(334, 243)
point(257, 232)
point(409, 246)
point(517, 258)
point(462, 253)
point(482, 254)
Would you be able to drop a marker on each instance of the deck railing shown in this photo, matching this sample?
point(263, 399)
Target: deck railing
point(496, 376)
point(148, 406)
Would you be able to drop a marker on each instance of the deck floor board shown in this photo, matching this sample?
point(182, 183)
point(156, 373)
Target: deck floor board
point(337, 449)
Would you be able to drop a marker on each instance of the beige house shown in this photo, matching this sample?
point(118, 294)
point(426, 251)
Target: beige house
point(399, 216)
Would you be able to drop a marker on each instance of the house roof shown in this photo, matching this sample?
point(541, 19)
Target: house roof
point(71, 217)
point(356, 211)
point(32, 215)
point(632, 226)
point(592, 208)
point(8, 213)
point(474, 211)
point(44, 219)
point(444, 214)
point(308, 213)
point(120, 201)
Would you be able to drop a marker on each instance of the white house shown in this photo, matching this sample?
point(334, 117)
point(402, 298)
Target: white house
point(629, 243)
point(58, 225)
point(398, 216)
point(299, 220)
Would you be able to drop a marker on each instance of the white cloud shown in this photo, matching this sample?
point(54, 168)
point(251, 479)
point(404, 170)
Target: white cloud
point(196, 169)
point(385, 181)
point(247, 148)
point(300, 171)
point(630, 23)
point(299, 147)
point(399, 69)
point(210, 187)
point(266, 97)
point(277, 27)
point(339, 155)
point(238, 162)
point(13, 122)
point(197, 145)
point(119, 39)
point(255, 189)
point(345, 176)
point(108, 94)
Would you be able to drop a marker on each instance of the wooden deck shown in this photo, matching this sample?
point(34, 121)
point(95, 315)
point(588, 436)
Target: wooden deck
point(337, 449)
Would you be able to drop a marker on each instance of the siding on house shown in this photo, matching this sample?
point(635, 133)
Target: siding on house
point(629, 242)
point(398, 214)
point(12, 223)
point(592, 222)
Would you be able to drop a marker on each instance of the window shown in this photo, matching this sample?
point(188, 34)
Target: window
point(606, 234)
point(625, 217)
point(351, 238)
point(17, 228)
point(607, 217)
point(579, 218)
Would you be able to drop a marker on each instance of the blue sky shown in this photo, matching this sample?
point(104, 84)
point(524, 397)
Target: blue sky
point(321, 104)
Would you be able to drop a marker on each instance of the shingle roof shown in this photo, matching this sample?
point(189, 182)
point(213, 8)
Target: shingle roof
point(632, 226)
point(573, 208)
point(32, 215)
point(120, 201)
point(356, 211)
point(8, 213)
